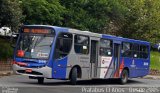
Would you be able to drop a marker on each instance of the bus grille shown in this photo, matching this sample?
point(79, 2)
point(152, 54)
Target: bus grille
point(33, 72)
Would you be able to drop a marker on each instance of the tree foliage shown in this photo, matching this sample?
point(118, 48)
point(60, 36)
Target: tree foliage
point(86, 14)
point(5, 49)
point(10, 14)
point(42, 12)
point(138, 19)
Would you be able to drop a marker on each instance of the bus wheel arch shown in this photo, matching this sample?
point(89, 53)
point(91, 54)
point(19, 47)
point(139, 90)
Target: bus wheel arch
point(75, 73)
point(126, 68)
point(79, 71)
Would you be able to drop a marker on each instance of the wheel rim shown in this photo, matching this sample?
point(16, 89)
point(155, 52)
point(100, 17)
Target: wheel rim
point(124, 76)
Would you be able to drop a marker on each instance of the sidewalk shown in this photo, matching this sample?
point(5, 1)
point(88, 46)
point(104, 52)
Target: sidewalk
point(5, 73)
point(152, 77)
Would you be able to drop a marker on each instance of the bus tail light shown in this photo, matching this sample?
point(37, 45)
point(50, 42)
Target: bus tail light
point(20, 53)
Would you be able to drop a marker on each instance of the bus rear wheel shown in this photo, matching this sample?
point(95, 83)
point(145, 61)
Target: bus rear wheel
point(40, 80)
point(73, 77)
point(124, 77)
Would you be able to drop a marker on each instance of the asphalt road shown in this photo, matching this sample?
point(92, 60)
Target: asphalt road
point(22, 84)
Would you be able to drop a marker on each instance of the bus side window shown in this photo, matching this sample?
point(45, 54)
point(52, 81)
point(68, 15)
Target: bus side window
point(136, 51)
point(81, 44)
point(63, 45)
point(105, 47)
point(143, 52)
point(126, 49)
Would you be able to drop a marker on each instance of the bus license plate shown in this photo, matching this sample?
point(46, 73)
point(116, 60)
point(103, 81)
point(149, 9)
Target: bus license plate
point(29, 70)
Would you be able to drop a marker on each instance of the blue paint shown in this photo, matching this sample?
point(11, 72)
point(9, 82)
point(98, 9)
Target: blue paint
point(57, 31)
point(127, 63)
point(51, 62)
point(32, 62)
point(59, 68)
point(140, 69)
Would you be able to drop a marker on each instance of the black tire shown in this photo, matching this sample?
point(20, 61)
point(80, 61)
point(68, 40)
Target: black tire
point(40, 80)
point(124, 77)
point(73, 77)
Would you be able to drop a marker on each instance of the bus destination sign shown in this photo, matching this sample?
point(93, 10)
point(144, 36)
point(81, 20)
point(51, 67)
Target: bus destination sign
point(37, 30)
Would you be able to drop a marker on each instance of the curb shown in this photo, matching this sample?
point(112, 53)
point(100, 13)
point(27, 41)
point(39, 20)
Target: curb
point(5, 73)
point(151, 77)
point(154, 72)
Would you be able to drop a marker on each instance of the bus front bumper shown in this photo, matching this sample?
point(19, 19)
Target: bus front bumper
point(45, 72)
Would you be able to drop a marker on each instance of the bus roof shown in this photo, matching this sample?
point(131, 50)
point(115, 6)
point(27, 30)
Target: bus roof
point(49, 26)
point(91, 34)
point(125, 39)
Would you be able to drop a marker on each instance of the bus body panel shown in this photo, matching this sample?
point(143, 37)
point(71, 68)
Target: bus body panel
point(81, 61)
point(104, 67)
point(141, 67)
point(59, 66)
point(136, 66)
point(114, 61)
point(129, 63)
point(77, 60)
point(45, 72)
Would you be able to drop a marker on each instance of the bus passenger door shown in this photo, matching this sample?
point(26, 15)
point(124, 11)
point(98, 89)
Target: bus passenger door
point(94, 58)
point(116, 59)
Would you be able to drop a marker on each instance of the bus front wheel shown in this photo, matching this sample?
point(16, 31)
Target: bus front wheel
point(73, 77)
point(40, 80)
point(124, 77)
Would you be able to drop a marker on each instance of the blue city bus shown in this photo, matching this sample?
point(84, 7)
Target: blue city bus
point(53, 52)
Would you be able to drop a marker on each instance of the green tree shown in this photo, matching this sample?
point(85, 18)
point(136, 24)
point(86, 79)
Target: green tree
point(42, 12)
point(86, 14)
point(10, 14)
point(138, 19)
point(5, 49)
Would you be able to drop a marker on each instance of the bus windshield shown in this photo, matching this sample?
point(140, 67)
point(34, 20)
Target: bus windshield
point(34, 46)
